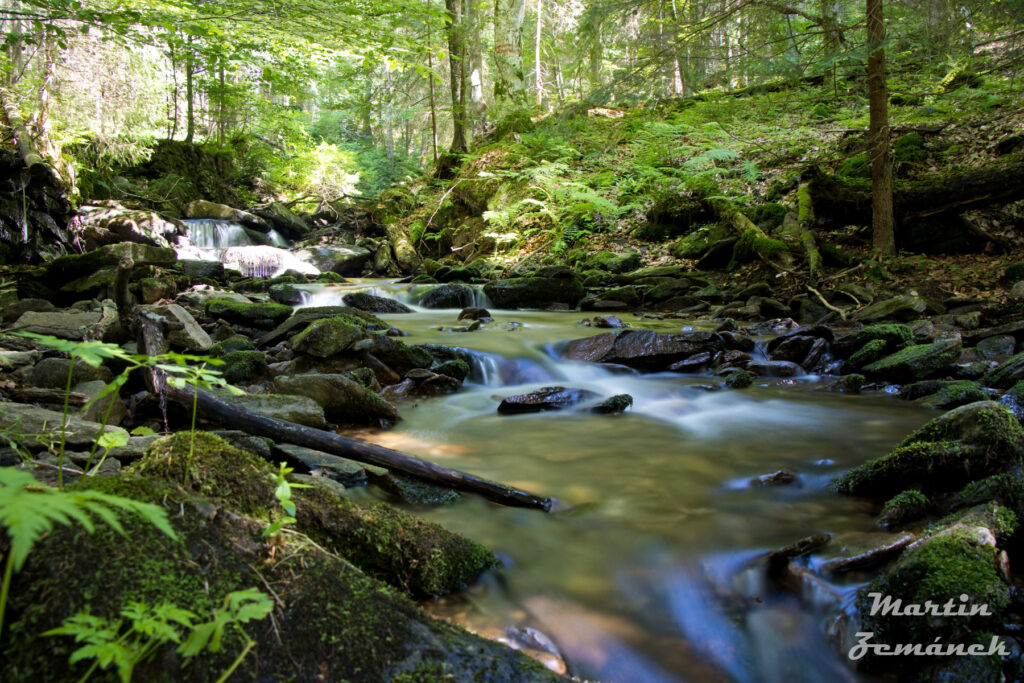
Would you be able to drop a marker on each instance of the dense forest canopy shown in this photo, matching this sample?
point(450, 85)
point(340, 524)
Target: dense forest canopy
point(355, 95)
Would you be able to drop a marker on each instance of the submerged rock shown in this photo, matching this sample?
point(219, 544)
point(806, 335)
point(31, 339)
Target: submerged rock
point(613, 405)
point(374, 304)
point(545, 398)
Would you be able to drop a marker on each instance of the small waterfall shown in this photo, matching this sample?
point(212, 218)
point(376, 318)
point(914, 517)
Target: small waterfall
point(208, 233)
point(260, 261)
point(278, 240)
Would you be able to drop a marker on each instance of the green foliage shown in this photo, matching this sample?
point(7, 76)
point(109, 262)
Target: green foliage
point(283, 493)
point(142, 630)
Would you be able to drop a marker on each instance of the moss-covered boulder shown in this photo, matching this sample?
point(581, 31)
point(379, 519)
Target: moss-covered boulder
point(261, 315)
point(944, 394)
point(450, 295)
point(396, 354)
point(614, 263)
point(304, 317)
point(869, 353)
point(331, 621)
point(962, 445)
point(243, 366)
point(342, 399)
point(64, 269)
point(917, 362)
point(937, 571)
point(330, 336)
point(1006, 488)
point(901, 308)
point(895, 336)
point(1006, 374)
point(298, 409)
point(535, 292)
point(902, 508)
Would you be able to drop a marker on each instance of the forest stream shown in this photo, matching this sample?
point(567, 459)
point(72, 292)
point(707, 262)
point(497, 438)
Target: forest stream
point(643, 578)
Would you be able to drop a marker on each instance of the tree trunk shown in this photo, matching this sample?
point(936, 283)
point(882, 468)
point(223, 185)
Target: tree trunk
point(190, 114)
point(456, 63)
point(474, 73)
point(883, 231)
point(509, 77)
point(538, 74)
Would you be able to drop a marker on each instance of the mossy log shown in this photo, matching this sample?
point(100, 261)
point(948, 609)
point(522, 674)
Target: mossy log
point(752, 239)
point(37, 167)
point(951, 192)
point(401, 244)
point(797, 229)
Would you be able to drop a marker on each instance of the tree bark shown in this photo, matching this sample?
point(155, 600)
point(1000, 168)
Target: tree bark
point(456, 63)
point(538, 74)
point(509, 77)
point(882, 221)
point(190, 115)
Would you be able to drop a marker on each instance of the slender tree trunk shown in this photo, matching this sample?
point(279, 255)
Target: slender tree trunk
point(476, 110)
point(223, 114)
point(433, 104)
point(456, 63)
point(190, 114)
point(509, 78)
point(538, 73)
point(878, 133)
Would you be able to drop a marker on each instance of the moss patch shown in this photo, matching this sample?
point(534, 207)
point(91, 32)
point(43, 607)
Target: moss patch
point(262, 315)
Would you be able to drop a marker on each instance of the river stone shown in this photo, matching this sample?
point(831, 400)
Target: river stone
point(52, 373)
point(298, 409)
point(201, 208)
point(451, 295)
point(285, 221)
point(343, 470)
point(641, 349)
point(374, 304)
point(341, 398)
point(261, 315)
point(943, 394)
point(416, 492)
point(962, 445)
point(183, 332)
point(285, 293)
point(998, 347)
point(98, 411)
point(545, 398)
point(72, 325)
point(202, 269)
point(341, 259)
point(535, 292)
point(14, 309)
point(64, 269)
point(1004, 375)
point(303, 317)
point(915, 363)
point(894, 335)
point(613, 405)
point(396, 354)
point(40, 428)
point(774, 368)
point(902, 308)
point(111, 223)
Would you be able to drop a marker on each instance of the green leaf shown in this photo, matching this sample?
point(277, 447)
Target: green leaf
point(112, 439)
point(142, 430)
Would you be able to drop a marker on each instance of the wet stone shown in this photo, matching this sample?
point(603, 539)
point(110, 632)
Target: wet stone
point(782, 477)
point(613, 405)
point(545, 398)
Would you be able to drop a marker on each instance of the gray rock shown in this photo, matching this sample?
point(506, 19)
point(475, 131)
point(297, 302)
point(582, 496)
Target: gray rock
point(13, 310)
point(202, 269)
point(258, 445)
point(903, 308)
point(374, 304)
point(343, 260)
point(340, 397)
point(64, 269)
point(52, 373)
point(545, 398)
point(998, 347)
point(74, 325)
point(98, 410)
point(1017, 291)
point(134, 449)
point(298, 409)
point(111, 222)
point(347, 472)
point(641, 349)
point(12, 360)
point(915, 363)
point(204, 209)
point(40, 428)
point(448, 296)
point(183, 331)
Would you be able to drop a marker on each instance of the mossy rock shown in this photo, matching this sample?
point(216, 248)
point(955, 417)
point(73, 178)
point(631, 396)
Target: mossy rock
point(261, 315)
point(1006, 488)
point(1006, 374)
point(917, 362)
point(938, 570)
point(767, 216)
point(896, 337)
point(457, 368)
point(614, 263)
point(534, 292)
point(869, 353)
point(944, 394)
point(330, 336)
point(907, 506)
point(964, 444)
point(331, 620)
point(396, 354)
point(243, 366)
point(909, 149)
point(235, 343)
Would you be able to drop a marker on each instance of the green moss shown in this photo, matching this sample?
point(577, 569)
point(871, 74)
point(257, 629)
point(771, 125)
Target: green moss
point(904, 507)
point(330, 336)
point(1006, 488)
point(1013, 273)
point(243, 366)
point(739, 379)
point(916, 362)
point(834, 256)
point(235, 343)
point(896, 336)
point(944, 394)
point(869, 353)
point(857, 166)
point(407, 552)
point(362, 376)
point(457, 368)
point(264, 315)
point(330, 277)
point(940, 569)
point(909, 149)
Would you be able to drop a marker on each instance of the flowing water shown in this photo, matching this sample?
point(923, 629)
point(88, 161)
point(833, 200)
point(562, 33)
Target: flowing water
point(232, 243)
point(643, 579)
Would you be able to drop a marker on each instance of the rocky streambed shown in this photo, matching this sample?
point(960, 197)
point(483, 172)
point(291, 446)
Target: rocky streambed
point(699, 450)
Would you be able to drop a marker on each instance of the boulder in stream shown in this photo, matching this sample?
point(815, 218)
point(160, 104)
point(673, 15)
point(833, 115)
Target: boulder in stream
point(535, 292)
point(545, 398)
point(374, 304)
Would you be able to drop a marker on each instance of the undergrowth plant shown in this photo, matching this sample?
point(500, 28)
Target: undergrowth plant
point(28, 510)
point(132, 639)
point(283, 493)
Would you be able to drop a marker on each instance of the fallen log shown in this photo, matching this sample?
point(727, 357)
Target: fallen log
point(213, 408)
point(752, 239)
